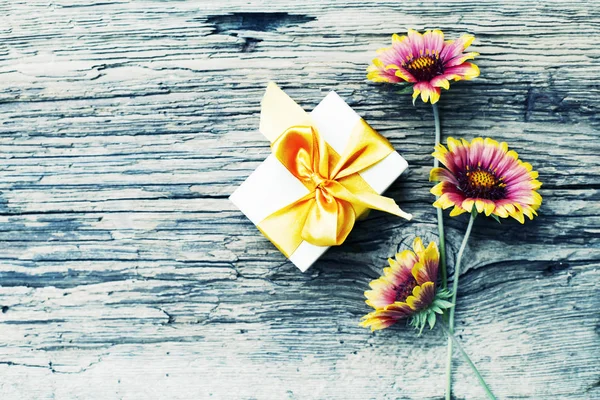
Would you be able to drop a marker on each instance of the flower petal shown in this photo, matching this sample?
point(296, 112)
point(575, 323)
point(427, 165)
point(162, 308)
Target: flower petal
point(457, 210)
point(426, 270)
point(442, 175)
point(464, 71)
point(440, 81)
point(422, 296)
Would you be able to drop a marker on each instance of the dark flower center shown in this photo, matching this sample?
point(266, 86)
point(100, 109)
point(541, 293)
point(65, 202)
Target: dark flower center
point(405, 289)
point(481, 183)
point(424, 68)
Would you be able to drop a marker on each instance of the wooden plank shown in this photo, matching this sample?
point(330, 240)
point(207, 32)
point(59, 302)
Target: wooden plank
point(126, 273)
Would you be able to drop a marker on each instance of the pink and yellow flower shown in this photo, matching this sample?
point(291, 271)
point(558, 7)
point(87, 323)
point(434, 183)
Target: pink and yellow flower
point(407, 290)
point(425, 60)
point(486, 176)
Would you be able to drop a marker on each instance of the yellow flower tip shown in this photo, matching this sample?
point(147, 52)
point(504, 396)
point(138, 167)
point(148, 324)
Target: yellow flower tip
point(537, 200)
point(457, 211)
point(435, 174)
point(432, 249)
point(416, 291)
point(377, 63)
point(441, 148)
point(468, 39)
point(415, 270)
point(527, 166)
point(411, 302)
point(468, 204)
point(518, 215)
point(501, 212)
point(397, 39)
point(415, 94)
point(471, 73)
point(406, 257)
point(444, 83)
point(418, 245)
point(373, 68)
point(438, 190)
point(443, 202)
point(510, 208)
point(490, 142)
point(375, 76)
point(476, 69)
point(414, 32)
point(489, 208)
point(479, 205)
point(399, 74)
point(425, 96)
point(437, 204)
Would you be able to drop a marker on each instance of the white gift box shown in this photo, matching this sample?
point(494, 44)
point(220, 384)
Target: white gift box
point(271, 186)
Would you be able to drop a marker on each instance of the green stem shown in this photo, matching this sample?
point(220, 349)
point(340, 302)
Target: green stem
point(462, 351)
point(456, 275)
point(440, 215)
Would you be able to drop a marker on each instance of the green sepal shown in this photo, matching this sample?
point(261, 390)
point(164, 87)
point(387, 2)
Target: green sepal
point(443, 294)
point(419, 320)
point(443, 304)
point(431, 320)
point(436, 309)
point(427, 316)
point(474, 211)
point(497, 218)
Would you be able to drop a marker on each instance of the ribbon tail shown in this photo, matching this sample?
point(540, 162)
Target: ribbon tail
point(369, 200)
point(284, 227)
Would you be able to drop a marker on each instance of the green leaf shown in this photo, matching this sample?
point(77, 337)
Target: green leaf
point(497, 218)
point(431, 320)
point(474, 211)
point(406, 89)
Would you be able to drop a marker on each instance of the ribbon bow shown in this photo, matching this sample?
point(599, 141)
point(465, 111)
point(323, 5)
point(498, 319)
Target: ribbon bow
point(337, 193)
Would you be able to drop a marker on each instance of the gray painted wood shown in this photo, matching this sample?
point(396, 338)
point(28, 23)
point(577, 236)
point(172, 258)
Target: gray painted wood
point(126, 273)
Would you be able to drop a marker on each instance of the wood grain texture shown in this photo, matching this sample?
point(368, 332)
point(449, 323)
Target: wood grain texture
point(126, 273)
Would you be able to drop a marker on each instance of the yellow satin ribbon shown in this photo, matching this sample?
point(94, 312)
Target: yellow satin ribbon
point(337, 193)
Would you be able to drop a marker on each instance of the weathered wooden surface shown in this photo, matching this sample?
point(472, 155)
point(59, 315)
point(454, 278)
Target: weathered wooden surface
point(126, 273)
